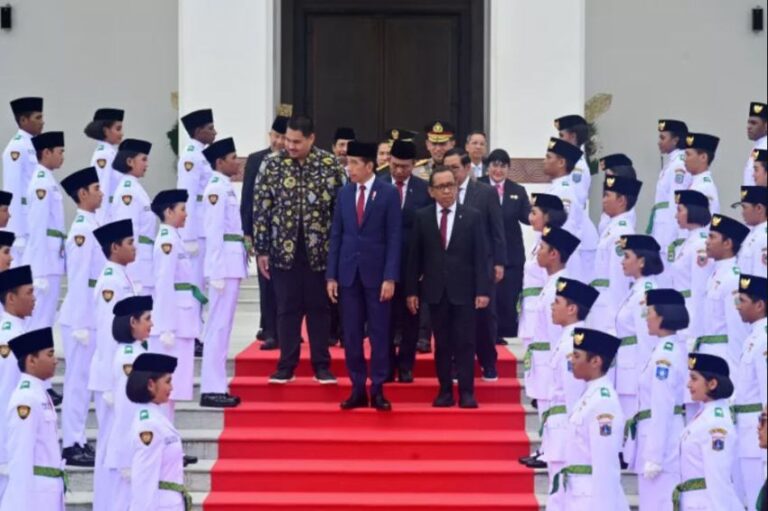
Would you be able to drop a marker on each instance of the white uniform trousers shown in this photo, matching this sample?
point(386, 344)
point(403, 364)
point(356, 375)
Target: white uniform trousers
point(218, 330)
point(748, 478)
point(77, 397)
point(102, 484)
point(44, 313)
point(629, 404)
point(656, 494)
point(120, 489)
point(555, 502)
point(3, 481)
point(183, 377)
point(198, 265)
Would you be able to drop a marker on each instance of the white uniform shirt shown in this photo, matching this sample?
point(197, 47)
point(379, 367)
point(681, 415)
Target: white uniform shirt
point(132, 202)
point(119, 452)
point(719, 315)
point(225, 256)
point(10, 328)
point(19, 163)
point(704, 183)
point(754, 250)
point(581, 177)
point(45, 222)
point(749, 168)
point(194, 173)
point(708, 451)
point(85, 262)
point(605, 220)
point(595, 435)
point(33, 440)
point(609, 276)
point(112, 286)
point(690, 270)
point(534, 277)
point(157, 456)
point(673, 177)
point(751, 384)
point(102, 159)
point(631, 323)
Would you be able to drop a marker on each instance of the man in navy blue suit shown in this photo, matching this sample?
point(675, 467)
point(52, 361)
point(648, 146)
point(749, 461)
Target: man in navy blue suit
point(414, 195)
point(363, 267)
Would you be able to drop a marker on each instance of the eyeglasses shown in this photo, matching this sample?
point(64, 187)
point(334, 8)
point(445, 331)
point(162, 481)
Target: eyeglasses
point(445, 188)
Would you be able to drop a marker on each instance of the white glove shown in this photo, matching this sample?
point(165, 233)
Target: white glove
point(20, 242)
point(41, 284)
point(218, 285)
point(82, 336)
point(168, 339)
point(651, 470)
point(138, 287)
point(192, 247)
point(108, 398)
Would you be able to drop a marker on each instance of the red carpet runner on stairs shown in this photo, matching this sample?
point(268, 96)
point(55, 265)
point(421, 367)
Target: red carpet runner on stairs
point(290, 448)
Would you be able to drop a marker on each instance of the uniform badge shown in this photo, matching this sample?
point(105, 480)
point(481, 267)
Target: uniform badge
point(24, 385)
point(146, 437)
point(5, 350)
point(7, 325)
point(576, 176)
point(23, 411)
point(127, 199)
point(79, 240)
point(143, 415)
point(679, 176)
point(127, 369)
point(669, 346)
point(166, 248)
point(15, 155)
point(718, 438)
point(188, 165)
point(606, 424)
point(213, 199)
point(40, 194)
point(108, 272)
point(662, 372)
point(719, 412)
point(701, 258)
point(101, 162)
point(107, 295)
point(604, 392)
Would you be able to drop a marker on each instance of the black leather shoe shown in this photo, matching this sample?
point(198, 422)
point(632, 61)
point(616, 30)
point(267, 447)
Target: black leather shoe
point(501, 342)
point(356, 400)
point(333, 342)
point(467, 400)
point(536, 463)
point(211, 400)
point(406, 376)
point(56, 398)
point(189, 460)
point(198, 348)
point(423, 346)
point(88, 448)
point(623, 464)
point(444, 400)
point(269, 345)
point(379, 402)
point(535, 404)
point(398, 340)
point(260, 335)
point(390, 378)
point(76, 456)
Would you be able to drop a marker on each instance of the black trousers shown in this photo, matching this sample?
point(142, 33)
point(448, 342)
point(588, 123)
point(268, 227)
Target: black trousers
point(267, 307)
point(486, 333)
point(507, 293)
point(299, 292)
point(407, 325)
point(455, 329)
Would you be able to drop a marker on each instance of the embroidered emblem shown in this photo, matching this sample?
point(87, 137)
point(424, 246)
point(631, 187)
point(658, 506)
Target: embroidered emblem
point(127, 199)
point(23, 411)
point(146, 437)
point(107, 294)
point(79, 240)
point(40, 193)
point(101, 162)
point(5, 350)
point(213, 199)
point(166, 248)
point(15, 155)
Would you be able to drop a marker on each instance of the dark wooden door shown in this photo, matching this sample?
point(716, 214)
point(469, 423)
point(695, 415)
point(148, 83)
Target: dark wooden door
point(377, 65)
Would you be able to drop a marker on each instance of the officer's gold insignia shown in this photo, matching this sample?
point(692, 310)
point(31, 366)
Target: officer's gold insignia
point(15, 155)
point(101, 162)
point(755, 154)
point(533, 200)
point(438, 128)
point(188, 165)
point(166, 248)
point(107, 294)
point(691, 363)
point(561, 285)
point(610, 182)
point(547, 229)
point(127, 199)
point(127, 369)
point(395, 134)
point(677, 198)
point(213, 199)
point(758, 109)
point(743, 194)
point(578, 339)
point(662, 125)
point(23, 411)
point(557, 125)
point(40, 194)
point(623, 242)
point(716, 220)
point(79, 240)
point(689, 140)
point(146, 437)
point(602, 164)
point(745, 282)
point(552, 144)
point(5, 350)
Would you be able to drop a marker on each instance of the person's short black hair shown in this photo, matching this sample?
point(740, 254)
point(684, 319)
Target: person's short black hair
point(95, 129)
point(137, 386)
point(653, 263)
point(680, 135)
point(724, 388)
point(581, 311)
point(736, 244)
point(22, 362)
point(465, 159)
point(569, 165)
point(121, 328)
point(555, 217)
point(19, 115)
point(437, 170)
point(4, 295)
point(673, 317)
point(120, 162)
point(631, 199)
point(581, 131)
point(302, 123)
point(160, 213)
point(476, 132)
point(107, 249)
point(698, 215)
point(710, 155)
point(605, 366)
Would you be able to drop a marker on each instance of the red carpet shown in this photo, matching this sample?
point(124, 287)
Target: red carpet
point(290, 448)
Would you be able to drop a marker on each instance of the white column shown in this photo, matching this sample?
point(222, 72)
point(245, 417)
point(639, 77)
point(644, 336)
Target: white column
point(537, 61)
point(227, 62)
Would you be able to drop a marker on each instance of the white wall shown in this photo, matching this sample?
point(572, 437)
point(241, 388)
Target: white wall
point(227, 61)
point(697, 60)
point(81, 55)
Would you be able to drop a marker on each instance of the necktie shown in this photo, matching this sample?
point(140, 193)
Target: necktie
point(400, 185)
point(361, 205)
point(500, 189)
point(444, 227)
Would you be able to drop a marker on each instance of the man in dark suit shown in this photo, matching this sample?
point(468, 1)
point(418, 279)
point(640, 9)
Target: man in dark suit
point(448, 255)
point(414, 195)
point(515, 208)
point(485, 200)
point(363, 266)
point(268, 308)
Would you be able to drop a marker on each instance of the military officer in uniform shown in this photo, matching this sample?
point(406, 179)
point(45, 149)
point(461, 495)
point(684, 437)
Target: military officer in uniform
point(20, 163)
point(757, 131)
point(441, 138)
point(18, 299)
point(45, 227)
point(107, 129)
point(709, 443)
point(392, 136)
point(700, 151)
point(225, 268)
point(591, 478)
point(36, 476)
point(132, 203)
point(574, 129)
point(85, 262)
point(753, 255)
